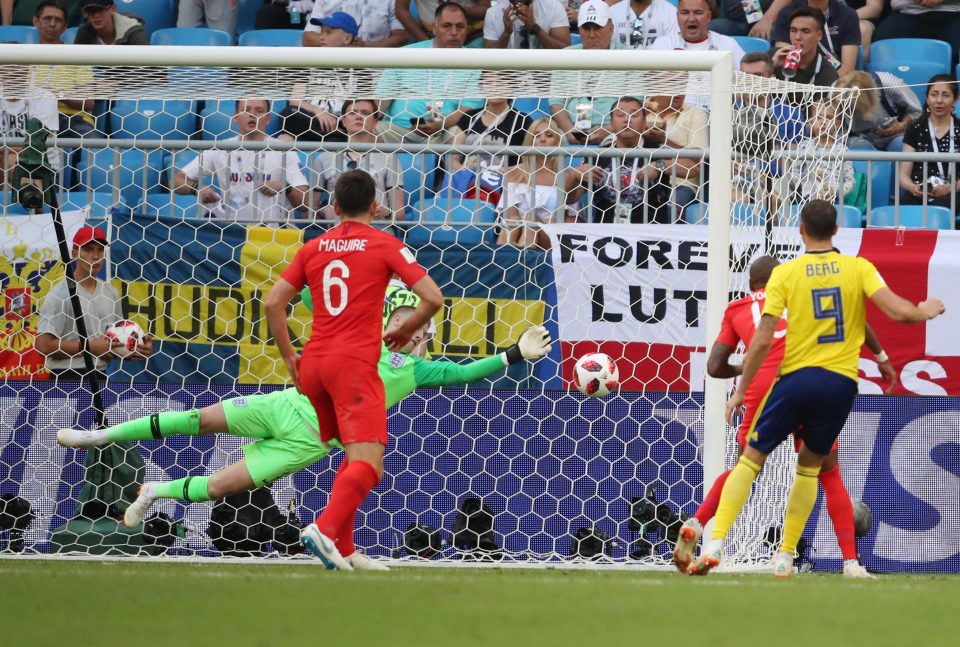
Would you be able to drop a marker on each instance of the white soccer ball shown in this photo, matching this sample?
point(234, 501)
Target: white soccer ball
point(596, 375)
point(128, 333)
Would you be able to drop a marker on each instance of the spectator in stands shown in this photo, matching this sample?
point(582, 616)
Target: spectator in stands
point(527, 24)
point(256, 185)
point(106, 26)
point(732, 19)
point(421, 30)
point(581, 119)
point(884, 110)
point(311, 115)
point(841, 32)
point(638, 23)
point(76, 115)
point(416, 120)
point(817, 178)
point(359, 119)
point(693, 19)
point(936, 131)
point(671, 123)
point(806, 32)
point(57, 336)
point(536, 191)
point(39, 104)
point(923, 19)
point(284, 14)
point(22, 12)
point(621, 186)
point(870, 13)
point(378, 25)
point(215, 14)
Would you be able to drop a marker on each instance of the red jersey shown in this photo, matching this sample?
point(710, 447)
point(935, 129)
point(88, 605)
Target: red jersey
point(740, 321)
point(348, 269)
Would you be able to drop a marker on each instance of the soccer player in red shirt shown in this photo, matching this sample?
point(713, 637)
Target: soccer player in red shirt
point(739, 324)
point(347, 269)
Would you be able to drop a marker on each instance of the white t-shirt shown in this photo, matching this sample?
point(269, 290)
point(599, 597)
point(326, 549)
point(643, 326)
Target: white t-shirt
point(42, 105)
point(540, 202)
point(658, 19)
point(239, 175)
point(375, 19)
point(549, 14)
point(326, 167)
point(699, 84)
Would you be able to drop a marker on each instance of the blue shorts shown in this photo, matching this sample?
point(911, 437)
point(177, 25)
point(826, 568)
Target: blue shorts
point(816, 398)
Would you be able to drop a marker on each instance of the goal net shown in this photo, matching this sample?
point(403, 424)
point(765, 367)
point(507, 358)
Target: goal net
point(207, 171)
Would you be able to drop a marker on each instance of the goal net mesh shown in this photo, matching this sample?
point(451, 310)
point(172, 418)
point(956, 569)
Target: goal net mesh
point(598, 231)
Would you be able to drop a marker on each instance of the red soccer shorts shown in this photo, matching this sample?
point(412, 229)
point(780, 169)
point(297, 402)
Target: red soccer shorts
point(348, 397)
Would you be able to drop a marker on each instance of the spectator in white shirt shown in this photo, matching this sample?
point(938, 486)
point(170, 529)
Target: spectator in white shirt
point(638, 23)
point(527, 24)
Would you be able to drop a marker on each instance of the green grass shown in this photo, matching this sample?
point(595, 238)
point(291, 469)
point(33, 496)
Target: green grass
point(111, 603)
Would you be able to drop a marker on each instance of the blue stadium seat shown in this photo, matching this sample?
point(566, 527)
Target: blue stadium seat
point(247, 15)
point(153, 119)
point(418, 171)
point(173, 205)
point(751, 44)
point(743, 214)
point(272, 38)
point(68, 36)
point(101, 203)
point(195, 36)
point(899, 50)
point(534, 107)
point(157, 14)
point(136, 173)
point(850, 217)
point(445, 221)
point(911, 216)
point(881, 181)
point(575, 39)
point(23, 34)
point(914, 73)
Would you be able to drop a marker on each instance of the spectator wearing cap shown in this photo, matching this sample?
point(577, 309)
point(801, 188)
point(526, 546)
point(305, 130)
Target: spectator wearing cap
point(57, 336)
point(314, 112)
point(581, 119)
point(527, 24)
point(216, 14)
point(841, 32)
point(106, 26)
point(378, 23)
point(937, 19)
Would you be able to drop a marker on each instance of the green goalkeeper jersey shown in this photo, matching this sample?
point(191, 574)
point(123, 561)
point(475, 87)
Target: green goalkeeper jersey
point(402, 374)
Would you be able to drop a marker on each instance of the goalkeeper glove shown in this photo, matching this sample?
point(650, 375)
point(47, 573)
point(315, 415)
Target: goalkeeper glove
point(533, 344)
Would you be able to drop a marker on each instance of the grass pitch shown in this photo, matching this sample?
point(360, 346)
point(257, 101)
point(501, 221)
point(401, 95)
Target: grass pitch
point(113, 603)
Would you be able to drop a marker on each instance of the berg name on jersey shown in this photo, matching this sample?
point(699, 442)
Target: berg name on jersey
point(342, 244)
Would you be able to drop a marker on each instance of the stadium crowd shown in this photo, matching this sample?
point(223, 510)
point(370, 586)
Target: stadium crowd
point(820, 42)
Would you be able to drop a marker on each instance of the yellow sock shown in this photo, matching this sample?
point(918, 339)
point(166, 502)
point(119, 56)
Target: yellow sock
point(803, 495)
point(734, 495)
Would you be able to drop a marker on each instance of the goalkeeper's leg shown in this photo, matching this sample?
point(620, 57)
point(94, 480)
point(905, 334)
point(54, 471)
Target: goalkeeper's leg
point(209, 420)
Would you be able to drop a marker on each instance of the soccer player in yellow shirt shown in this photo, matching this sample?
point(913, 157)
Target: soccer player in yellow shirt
point(824, 292)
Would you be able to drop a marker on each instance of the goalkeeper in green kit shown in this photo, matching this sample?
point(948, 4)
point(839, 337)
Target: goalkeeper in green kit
point(285, 423)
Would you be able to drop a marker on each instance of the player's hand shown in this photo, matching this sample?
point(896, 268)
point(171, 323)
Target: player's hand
point(734, 405)
point(889, 376)
point(932, 307)
point(208, 195)
point(762, 28)
point(144, 348)
point(534, 342)
point(396, 340)
point(293, 367)
point(102, 345)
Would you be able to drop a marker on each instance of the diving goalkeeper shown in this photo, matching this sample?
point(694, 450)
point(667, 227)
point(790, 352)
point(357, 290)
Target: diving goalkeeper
point(285, 423)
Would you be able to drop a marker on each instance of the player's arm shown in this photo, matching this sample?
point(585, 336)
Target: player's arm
point(903, 311)
point(718, 364)
point(883, 361)
point(759, 347)
point(533, 344)
point(430, 301)
point(275, 305)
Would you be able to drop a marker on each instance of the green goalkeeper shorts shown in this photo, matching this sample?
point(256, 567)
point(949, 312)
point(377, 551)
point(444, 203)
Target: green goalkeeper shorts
point(287, 444)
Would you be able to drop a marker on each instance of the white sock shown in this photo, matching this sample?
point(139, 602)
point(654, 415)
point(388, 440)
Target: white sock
point(713, 547)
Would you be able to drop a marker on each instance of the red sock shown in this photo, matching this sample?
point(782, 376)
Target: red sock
point(710, 502)
point(349, 490)
point(841, 511)
point(345, 536)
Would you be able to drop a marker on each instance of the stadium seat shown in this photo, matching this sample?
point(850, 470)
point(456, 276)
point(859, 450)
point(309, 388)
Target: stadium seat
point(418, 171)
point(850, 217)
point(173, 205)
point(194, 36)
point(533, 107)
point(444, 221)
point(134, 172)
point(914, 73)
point(911, 216)
point(247, 15)
point(157, 14)
point(900, 50)
point(23, 34)
point(68, 36)
point(101, 203)
point(743, 214)
point(272, 38)
point(751, 44)
point(575, 39)
point(153, 119)
point(881, 181)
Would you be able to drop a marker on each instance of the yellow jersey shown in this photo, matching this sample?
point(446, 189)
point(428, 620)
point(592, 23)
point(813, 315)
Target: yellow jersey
point(823, 292)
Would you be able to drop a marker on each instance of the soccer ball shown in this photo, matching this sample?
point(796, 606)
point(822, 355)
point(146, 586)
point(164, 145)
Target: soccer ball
point(128, 333)
point(595, 375)
point(862, 519)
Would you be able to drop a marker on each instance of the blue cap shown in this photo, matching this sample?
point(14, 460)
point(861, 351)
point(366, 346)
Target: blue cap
point(339, 20)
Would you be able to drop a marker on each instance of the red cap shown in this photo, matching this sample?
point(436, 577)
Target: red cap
point(87, 233)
